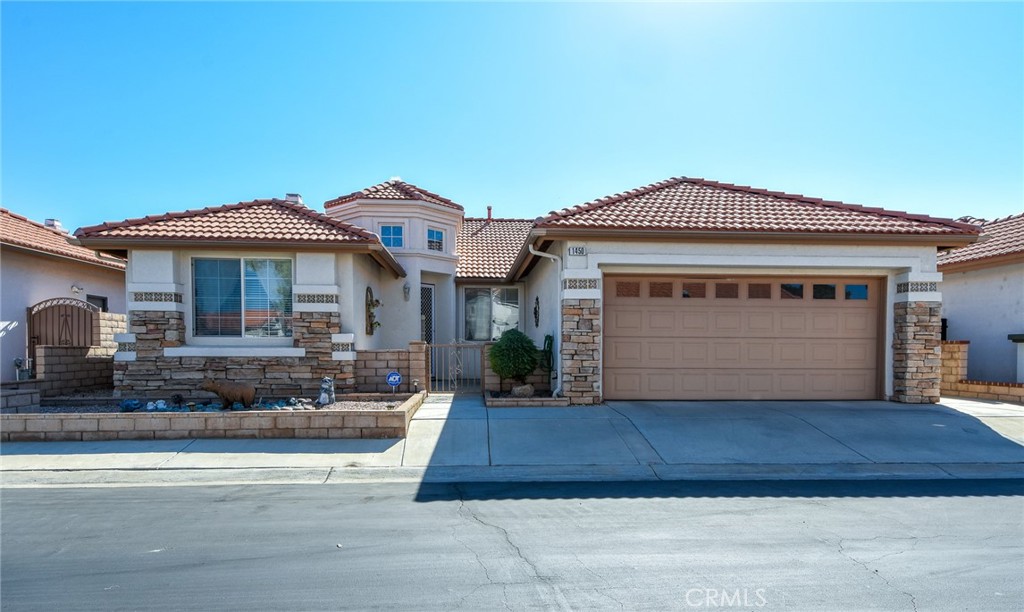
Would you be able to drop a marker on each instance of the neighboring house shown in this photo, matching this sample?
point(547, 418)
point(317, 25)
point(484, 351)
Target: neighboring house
point(683, 289)
point(983, 299)
point(41, 268)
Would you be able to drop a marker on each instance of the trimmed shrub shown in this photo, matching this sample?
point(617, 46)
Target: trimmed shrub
point(513, 356)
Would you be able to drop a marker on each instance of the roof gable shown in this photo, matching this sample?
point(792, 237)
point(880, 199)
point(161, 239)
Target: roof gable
point(699, 205)
point(22, 232)
point(264, 221)
point(487, 248)
point(394, 189)
point(1000, 239)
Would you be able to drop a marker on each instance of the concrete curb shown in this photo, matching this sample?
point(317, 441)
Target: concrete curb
point(503, 474)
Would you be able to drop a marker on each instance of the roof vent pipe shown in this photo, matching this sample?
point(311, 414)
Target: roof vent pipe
point(488, 213)
point(294, 198)
point(55, 224)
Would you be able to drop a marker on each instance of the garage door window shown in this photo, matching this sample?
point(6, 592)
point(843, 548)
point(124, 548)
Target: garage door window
point(727, 290)
point(824, 292)
point(759, 291)
point(856, 292)
point(659, 290)
point(694, 290)
point(792, 291)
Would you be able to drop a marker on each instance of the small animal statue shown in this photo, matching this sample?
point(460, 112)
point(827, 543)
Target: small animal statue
point(231, 392)
point(326, 392)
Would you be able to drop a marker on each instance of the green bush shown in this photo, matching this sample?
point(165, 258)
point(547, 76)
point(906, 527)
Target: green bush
point(513, 356)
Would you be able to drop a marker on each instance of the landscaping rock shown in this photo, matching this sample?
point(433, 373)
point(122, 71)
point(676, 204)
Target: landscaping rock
point(522, 391)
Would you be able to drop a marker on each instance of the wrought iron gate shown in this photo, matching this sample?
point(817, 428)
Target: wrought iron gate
point(456, 367)
point(62, 322)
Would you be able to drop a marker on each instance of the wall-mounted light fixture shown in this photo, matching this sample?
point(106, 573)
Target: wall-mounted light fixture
point(406, 290)
point(76, 288)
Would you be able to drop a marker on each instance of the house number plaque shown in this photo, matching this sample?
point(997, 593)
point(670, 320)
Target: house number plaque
point(577, 250)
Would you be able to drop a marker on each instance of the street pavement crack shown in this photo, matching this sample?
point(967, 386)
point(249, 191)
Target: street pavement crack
point(875, 572)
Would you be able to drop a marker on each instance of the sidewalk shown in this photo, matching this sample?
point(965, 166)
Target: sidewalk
point(458, 439)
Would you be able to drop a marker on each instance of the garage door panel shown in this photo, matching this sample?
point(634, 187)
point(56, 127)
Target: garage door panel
point(743, 342)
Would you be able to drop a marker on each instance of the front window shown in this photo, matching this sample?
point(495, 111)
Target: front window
point(490, 312)
point(222, 286)
point(435, 240)
point(392, 236)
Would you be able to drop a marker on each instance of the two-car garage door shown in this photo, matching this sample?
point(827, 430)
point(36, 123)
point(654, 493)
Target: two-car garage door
point(741, 338)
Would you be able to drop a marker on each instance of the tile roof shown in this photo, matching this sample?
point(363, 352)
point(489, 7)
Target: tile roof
point(999, 238)
point(393, 189)
point(22, 232)
point(265, 221)
point(487, 247)
point(699, 205)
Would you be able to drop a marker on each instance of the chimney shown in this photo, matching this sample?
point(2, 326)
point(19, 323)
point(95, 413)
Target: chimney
point(488, 213)
point(294, 198)
point(55, 224)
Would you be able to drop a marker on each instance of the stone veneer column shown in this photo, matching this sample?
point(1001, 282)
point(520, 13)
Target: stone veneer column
point(917, 352)
point(581, 351)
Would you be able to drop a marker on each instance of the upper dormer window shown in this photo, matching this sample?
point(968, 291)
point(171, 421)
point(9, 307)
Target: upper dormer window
point(435, 240)
point(392, 236)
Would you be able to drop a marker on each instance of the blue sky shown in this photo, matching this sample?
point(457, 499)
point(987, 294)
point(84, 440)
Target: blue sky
point(115, 110)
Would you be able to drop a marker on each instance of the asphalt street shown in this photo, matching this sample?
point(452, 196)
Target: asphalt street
point(895, 545)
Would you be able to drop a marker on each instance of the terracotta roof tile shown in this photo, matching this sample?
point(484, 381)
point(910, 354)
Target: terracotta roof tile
point(257, 221)
point(693, 204)
point(999, 238)
point(19, 231)
point(487, 247)
point(393, 189)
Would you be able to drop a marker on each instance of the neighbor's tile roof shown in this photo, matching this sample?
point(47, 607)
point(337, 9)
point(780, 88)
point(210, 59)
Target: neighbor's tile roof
point(999, 237)
point(393, 189)
point(257, 221)
point(487, 247)
point(693, 204)
point(22, 232)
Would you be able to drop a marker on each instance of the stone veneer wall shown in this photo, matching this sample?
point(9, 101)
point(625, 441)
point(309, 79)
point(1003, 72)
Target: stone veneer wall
point(68, 369)
point(581, 351)
point(154, 376)
point(540, 379)
point(917, 352)
point(955, 382)
point(372, 367)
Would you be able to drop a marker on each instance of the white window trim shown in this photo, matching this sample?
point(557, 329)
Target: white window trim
point(188, 299)
point(405, 233)
point(461, 310)
point(444, 239)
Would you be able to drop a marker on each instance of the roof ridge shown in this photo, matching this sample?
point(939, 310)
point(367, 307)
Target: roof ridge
point(36, 223)
point(196, 212)
point(497, 219)
point(802, 199)
point(407, 189)
point(612, 199)
point(1019, 215)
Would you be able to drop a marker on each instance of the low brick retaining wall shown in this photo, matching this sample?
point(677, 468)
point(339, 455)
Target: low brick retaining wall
point(956, 383)
point(526, 402)
point(369, 424)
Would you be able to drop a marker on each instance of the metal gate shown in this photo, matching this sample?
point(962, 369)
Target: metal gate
point(456, 367)
point(62, 322)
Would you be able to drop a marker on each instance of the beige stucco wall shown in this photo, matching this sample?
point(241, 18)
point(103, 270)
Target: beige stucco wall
point(27, 279)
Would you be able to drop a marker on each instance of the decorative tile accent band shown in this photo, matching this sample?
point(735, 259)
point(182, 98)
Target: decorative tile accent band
point(341, 347)
point(316, 298)
point(125, 347)
point(916, 286)
point(580, 283)
point(156, 296)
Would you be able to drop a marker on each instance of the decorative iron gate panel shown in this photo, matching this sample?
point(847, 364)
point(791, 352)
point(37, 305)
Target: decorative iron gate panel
point(62, 322)
point(456, 367)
